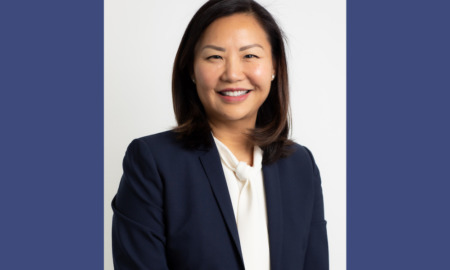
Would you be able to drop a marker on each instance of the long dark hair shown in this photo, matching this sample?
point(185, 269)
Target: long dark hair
point(273, 120)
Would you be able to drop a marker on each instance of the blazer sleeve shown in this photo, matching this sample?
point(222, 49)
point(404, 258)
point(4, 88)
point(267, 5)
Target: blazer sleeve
point(317, 249)
point(138, 235)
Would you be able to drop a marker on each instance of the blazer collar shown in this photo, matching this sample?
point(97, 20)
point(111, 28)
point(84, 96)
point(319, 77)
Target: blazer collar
point(274, 213)
point(213, 168)
point(214, 171)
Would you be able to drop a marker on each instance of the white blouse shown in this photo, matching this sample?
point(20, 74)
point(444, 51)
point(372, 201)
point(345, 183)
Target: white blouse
point(235, 186)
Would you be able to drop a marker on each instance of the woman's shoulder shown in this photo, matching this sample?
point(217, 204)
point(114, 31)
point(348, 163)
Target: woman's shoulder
point(161, 141)
point(164, 143)
point(300, 156)
point(161, 138)
point(163, 151)
point(297, 151)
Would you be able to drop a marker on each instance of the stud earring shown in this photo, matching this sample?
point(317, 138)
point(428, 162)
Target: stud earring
point(193, 80)
point(273, 76)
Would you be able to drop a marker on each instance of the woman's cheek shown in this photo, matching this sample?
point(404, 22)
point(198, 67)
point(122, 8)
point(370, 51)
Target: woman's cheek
point(207, 76)
point(260, 74)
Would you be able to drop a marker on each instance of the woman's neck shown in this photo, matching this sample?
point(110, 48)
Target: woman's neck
point(236, 139)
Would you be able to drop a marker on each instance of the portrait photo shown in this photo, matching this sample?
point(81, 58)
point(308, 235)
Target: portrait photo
point(142, 43)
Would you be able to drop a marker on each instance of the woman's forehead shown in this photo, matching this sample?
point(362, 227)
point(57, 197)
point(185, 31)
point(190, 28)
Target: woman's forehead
point(238, 30)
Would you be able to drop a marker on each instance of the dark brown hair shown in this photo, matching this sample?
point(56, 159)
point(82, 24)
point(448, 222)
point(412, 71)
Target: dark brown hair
point(272, 124)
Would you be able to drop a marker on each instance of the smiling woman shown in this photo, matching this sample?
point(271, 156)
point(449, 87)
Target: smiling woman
point(227, 188)
point(237, 46)
point(233, 72)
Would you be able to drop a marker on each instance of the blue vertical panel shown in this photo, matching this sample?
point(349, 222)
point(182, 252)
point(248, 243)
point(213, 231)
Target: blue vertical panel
point(398, 134)
point(51, 144)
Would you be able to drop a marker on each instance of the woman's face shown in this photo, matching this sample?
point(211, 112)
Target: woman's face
point(233, 69)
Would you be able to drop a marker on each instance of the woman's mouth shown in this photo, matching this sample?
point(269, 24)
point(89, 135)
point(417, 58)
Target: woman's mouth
point(233, 93)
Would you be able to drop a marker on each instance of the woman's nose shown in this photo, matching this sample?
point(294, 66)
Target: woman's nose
point(233, 70)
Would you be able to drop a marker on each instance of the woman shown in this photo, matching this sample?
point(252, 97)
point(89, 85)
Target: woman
point(226, 189)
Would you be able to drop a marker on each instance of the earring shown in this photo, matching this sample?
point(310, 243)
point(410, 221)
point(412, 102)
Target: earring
point(193, 80)
point(273, 76)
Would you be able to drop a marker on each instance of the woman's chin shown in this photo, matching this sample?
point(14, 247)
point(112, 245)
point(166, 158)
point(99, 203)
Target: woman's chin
point(236, 119)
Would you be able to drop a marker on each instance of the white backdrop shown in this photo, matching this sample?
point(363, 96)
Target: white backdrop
point(141, 39)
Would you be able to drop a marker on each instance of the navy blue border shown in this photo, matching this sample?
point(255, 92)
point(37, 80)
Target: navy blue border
point(398, 134)
point(51, 147)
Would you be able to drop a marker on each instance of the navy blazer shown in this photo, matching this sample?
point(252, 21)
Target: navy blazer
point(173, 210)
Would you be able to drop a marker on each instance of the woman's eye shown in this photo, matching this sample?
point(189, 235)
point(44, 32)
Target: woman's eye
point(250, 56)
point(214, 57)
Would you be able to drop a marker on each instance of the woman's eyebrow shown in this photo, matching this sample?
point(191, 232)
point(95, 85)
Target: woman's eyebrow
point(214, 48)
point(217, 48)
point(250, 46)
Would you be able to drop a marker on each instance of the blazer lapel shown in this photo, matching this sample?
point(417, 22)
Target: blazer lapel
point(274, 213)
point(214, 171)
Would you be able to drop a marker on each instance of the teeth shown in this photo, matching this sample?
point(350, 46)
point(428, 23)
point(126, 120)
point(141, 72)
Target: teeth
point(234, 93)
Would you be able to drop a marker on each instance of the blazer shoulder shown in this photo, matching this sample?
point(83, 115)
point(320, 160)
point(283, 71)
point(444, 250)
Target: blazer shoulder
point(163, 146)
point(300, 151)
point(302, 155)
point(161, 139)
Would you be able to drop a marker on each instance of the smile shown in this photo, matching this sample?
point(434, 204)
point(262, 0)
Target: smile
point(234, 93)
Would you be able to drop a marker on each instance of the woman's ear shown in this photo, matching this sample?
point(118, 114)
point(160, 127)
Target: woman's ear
point(274, 70)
